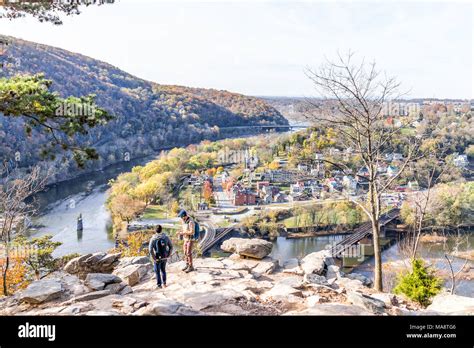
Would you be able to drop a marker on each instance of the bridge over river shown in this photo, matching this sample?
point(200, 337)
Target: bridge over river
point(212, 237)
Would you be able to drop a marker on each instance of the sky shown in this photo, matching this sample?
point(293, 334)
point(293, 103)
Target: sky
point(263, 47)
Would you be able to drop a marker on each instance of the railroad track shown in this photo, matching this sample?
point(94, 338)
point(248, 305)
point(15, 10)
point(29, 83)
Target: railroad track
point(361, 232)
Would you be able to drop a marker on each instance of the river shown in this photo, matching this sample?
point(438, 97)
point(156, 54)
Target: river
point(284, 249)
point(60, 205)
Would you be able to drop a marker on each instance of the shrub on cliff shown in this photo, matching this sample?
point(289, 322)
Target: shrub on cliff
point(420, 284)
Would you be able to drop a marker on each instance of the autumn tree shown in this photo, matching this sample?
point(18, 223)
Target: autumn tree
point(356, 95)
point(207, 191)
point(126, 207)
point(39, 259)
point(14, 210)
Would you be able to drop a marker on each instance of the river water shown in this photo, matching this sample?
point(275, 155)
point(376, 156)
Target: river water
point(60, 205)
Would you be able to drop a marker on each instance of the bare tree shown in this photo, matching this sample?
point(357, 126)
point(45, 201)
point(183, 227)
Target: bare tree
point(357, 94)
point(418, 203)
point(459, 240)
point(15, 209)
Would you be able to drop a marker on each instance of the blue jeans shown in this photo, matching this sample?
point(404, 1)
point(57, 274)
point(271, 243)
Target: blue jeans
point(160, 271)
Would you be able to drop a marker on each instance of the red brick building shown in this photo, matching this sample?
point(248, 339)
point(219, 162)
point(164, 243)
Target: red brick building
point(243, 197)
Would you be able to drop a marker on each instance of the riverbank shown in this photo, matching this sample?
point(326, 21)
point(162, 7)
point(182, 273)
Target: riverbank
point(102, 284)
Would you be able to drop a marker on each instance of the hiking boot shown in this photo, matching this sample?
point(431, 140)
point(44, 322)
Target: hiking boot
point(190, 269)
point(185, 268)
point(158, 286)
point(164, 286)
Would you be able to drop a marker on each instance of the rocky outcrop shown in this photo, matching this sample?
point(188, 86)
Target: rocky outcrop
point(92, 263)
point(254, 248)
point(219, 286)
point(331, 309)
point(448, 304)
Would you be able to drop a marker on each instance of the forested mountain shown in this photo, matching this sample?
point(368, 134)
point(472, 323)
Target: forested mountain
point(148, 116)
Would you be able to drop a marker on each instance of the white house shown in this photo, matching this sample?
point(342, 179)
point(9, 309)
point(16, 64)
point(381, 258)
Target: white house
point(461, 161)
point(302, 167)
point(279, 198)
point(397, 156)
point(349, 182)
point(267, 199)
point(392, 170)
point(296, 188)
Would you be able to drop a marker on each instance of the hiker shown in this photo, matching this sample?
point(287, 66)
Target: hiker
point(187, 234)
point(160, 248)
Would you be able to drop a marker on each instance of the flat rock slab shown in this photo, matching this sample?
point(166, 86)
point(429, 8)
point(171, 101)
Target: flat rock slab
point(41, 291)
point(452, 304)
point(332, 309)
point(280, 292)
point(202, 300)
point(208, 263)
point(92, 296)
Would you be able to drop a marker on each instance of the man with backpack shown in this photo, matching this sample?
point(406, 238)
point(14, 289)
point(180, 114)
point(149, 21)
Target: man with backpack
point(160, 248)
point(189, 233)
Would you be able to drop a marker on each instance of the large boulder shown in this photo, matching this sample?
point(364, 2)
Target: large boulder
point(254, 248)
point(314, 262)
point(371, 304)
point(452, 304)
point(132, 274)
point(98, 281)
point(92, 263)
point(41, 291)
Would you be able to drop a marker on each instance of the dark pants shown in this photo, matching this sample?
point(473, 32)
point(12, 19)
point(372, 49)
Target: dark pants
point(160, 271)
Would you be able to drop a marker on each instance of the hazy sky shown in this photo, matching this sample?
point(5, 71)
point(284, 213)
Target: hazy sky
point(262, 47)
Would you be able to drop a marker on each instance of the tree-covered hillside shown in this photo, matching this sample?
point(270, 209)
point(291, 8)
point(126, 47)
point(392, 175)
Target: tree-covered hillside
point(148, 116)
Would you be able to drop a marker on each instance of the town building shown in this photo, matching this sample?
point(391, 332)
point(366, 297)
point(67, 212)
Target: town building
point(461, 161)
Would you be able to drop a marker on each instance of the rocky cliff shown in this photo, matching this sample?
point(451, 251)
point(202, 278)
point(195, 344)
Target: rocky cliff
point(105, 284)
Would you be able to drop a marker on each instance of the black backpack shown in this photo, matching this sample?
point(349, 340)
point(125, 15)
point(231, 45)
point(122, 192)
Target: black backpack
point(162, 249)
